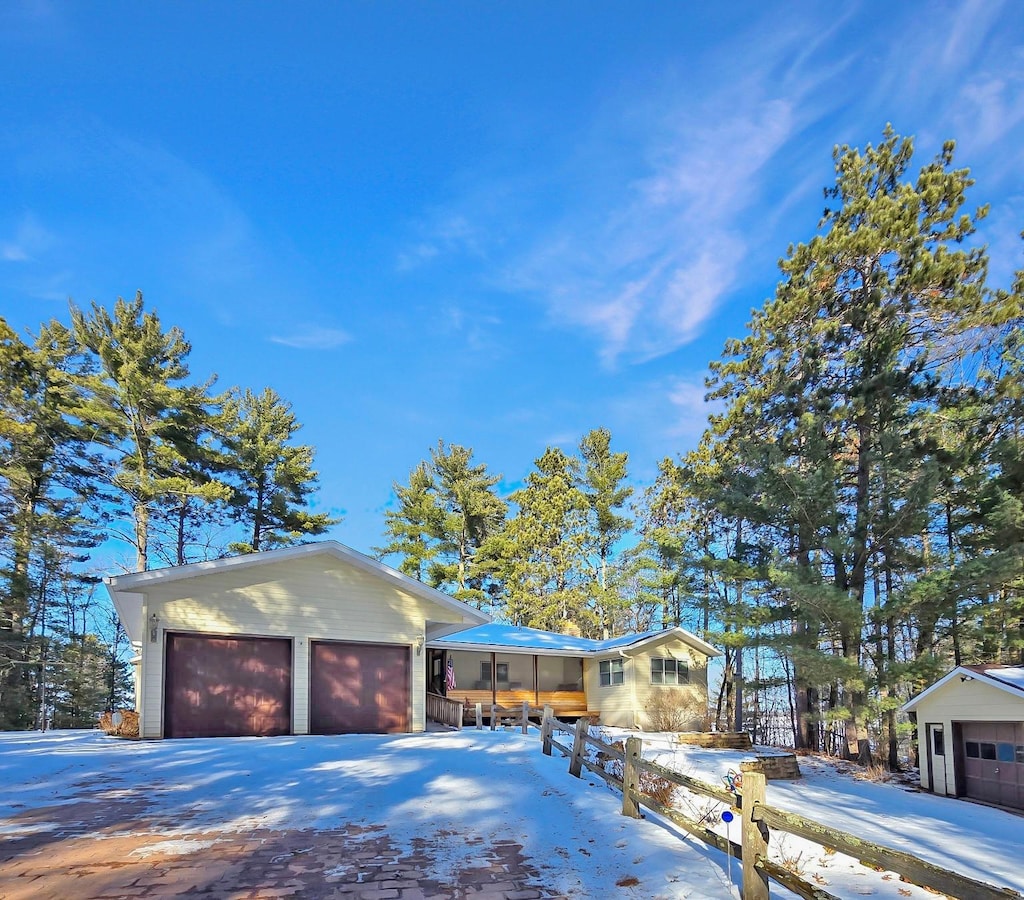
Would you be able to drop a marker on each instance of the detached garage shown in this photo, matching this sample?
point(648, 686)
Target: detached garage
point(970, 727)
point(312, 639)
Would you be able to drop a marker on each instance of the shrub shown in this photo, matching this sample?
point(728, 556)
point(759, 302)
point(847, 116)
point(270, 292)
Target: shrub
point(676, 709)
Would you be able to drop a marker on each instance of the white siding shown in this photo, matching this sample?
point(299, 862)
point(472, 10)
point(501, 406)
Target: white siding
point(960, 701)
point(311, 598)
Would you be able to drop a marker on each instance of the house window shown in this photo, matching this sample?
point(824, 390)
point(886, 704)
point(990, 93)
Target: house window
point(1004, 752)
point(938, 745)
point(612, 672)
point(972, 749)
point(501, 673)
point(669, 671)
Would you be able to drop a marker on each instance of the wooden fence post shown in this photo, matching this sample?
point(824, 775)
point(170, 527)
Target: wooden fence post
point(479, 716)
point(545, 730)
point(494, 717)
point(755, 838)
point(631, 778)
point(526, 715)
point(578, 745)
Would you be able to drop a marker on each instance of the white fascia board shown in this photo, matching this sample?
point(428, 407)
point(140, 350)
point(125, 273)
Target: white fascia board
point(333, 548)
point(511, 651)
point(682, 634)
point(128, 605)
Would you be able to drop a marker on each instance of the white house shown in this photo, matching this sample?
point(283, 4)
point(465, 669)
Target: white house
point(970, 727)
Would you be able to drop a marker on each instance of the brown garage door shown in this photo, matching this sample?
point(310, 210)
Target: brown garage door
point(358, 688)
point(227, 686)
point(993, 755)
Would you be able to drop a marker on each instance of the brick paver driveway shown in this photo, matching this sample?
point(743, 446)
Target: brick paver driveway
point(474, 814)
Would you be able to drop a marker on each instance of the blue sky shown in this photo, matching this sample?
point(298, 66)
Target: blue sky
point(500, 224)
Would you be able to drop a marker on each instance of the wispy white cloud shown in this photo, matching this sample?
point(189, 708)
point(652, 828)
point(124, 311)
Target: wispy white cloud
point(475, 327)
point(690, 409)
point(444, 233)
point(677, 197)
point(992, 105)
point(663, 417)
point(967, 31)
point(637, 237)
point(314, 337)
point(646, 273)
point(28, 241)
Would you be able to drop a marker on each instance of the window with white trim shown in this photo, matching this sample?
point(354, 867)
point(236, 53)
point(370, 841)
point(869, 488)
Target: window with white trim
point(612, 672)
point(665, 670)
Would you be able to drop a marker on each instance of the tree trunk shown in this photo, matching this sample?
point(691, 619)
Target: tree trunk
point(141, 536)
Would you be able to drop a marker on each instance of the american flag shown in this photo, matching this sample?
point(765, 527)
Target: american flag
point(449, 675)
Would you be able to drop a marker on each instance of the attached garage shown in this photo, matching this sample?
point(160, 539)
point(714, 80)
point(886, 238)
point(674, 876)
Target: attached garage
point(358, 688)
point(227, 686)
point(315, 638)
point(970, 725)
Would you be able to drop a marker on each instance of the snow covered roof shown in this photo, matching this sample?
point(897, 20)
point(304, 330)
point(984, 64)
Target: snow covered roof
point(519, 639)
point(1005, 678)
point(126, 590)
point(1013, 676)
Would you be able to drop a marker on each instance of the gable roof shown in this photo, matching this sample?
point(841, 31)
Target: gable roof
point(124, 589)
point(1005, 678)
point(519, 639)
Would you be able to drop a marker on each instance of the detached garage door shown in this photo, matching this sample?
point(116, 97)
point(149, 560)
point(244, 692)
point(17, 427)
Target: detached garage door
point(993, 754)
point(227, 686)
point(358, 688)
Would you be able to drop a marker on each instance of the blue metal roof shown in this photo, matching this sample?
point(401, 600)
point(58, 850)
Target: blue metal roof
point(518, 637)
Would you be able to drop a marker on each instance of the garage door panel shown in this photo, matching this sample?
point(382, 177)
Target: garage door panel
point(359, 688)
point(227, 686)
point(993, 770)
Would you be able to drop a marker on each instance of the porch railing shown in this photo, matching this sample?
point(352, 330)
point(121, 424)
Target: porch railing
point(566, 704)
point(444, 710)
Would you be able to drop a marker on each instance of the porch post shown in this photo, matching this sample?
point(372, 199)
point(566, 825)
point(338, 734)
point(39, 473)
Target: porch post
point(536, 682)
point(494, 679)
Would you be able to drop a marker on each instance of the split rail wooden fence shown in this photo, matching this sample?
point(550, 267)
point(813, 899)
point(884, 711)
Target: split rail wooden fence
point(757, 818)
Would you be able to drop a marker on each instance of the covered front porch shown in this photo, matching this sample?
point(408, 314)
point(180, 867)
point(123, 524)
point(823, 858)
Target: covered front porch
point(508, 679)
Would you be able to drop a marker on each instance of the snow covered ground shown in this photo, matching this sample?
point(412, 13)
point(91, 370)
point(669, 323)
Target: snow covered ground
point(467, 785)
point(496, 786)
point(978, 841)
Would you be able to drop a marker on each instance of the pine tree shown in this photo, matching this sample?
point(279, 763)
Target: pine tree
point(273, 478)
point(602, 482)
point(825, 395)
point(136, 401)
point(542, 550)
point(45, 493)
point(414, 525)
point(446, 518)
